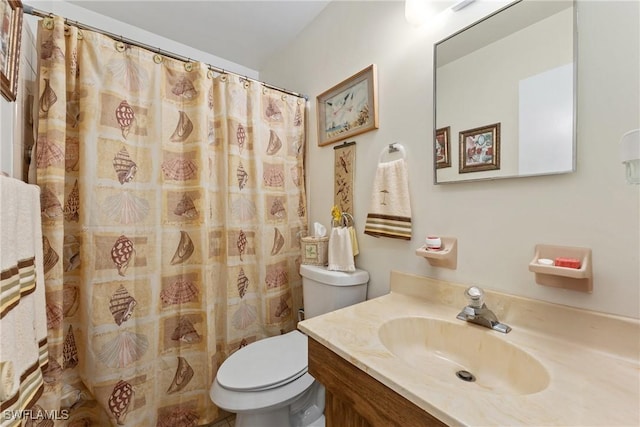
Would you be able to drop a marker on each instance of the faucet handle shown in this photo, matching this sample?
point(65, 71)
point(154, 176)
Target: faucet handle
point(475, 295)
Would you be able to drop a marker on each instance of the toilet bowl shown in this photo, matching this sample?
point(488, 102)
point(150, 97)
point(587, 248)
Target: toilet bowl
point(266, 384)
point(261, 381)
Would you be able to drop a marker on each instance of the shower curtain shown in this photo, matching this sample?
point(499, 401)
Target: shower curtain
point(172, 202)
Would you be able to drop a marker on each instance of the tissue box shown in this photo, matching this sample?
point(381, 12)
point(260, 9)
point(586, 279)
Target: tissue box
point(315, 250)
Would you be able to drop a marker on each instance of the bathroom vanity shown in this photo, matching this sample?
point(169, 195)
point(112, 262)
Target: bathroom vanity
point(346, 403)
point(396, 360)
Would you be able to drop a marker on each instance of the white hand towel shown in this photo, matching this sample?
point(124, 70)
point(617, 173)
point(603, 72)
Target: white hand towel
point(341, 250)
point(390, 209)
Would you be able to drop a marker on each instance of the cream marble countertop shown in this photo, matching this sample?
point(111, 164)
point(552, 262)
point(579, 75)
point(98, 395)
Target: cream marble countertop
point(593, 359)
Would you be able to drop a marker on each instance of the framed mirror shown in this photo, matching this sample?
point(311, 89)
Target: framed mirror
point(505, 94)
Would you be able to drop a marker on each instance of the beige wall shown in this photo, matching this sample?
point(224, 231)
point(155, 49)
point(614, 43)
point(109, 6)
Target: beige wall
point(497, 223)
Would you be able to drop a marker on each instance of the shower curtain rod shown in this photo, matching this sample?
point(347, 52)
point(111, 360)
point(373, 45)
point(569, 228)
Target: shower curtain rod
point(41, 14)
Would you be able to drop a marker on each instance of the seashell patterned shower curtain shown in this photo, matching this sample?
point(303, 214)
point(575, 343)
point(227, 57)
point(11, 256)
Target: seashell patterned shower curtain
point(172, 199)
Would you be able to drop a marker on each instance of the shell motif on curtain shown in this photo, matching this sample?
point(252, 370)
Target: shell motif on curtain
point(172, 202)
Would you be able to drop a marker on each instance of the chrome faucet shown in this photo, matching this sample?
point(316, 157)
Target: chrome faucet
point(477, 312)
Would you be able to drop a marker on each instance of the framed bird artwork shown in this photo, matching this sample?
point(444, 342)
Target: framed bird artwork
point(349, 108)
point(10, 34)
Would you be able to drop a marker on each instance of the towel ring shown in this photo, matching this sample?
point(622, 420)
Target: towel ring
point(346, 220)
point(394, 147)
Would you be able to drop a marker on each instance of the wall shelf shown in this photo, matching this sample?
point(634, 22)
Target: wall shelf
point(447, 257)
point(576, 279)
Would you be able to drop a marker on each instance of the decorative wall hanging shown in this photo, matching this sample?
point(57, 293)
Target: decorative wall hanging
point(10, 33)
point(345, 156)
point(349, 108)
point(480, 149)
point(442, 148)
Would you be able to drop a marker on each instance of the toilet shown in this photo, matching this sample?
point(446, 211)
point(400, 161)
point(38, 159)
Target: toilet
point(266, 384)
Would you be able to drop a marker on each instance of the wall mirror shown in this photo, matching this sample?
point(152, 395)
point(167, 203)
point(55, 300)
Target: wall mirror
point(505, 94)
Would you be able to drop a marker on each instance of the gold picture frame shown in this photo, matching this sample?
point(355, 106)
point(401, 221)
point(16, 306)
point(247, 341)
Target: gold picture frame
point(10, 38)
point(349, 108)
point(480, 149)
point(442, 148)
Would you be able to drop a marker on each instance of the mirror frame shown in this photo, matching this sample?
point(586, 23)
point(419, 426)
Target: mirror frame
point(574, 127)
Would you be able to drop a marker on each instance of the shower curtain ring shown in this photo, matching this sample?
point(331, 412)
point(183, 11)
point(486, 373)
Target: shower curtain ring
point(47, 22)
point(157, 58)
point(120, 45)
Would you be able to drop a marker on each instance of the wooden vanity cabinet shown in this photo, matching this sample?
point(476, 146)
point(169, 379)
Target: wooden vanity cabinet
point(355, 399)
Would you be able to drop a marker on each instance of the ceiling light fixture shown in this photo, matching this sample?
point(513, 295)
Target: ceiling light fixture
point(461, 5)
point(417, 12)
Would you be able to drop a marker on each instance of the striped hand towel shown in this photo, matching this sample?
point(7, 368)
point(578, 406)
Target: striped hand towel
point(24, 350)
point(390, 209)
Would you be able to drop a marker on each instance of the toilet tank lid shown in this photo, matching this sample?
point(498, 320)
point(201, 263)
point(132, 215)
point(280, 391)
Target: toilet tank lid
point(335, 278)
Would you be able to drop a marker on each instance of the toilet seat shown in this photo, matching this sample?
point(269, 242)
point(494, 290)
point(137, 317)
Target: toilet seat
point(265, 364)
point(257, 401)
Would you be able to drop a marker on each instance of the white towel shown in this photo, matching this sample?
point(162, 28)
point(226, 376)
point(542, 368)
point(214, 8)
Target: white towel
point(341, 250)
point(22, 299)
point(390, 209)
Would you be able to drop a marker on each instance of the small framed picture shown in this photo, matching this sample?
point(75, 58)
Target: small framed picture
point(480, 149)
point(10, 33)
point(349, 108)
point(442, 148)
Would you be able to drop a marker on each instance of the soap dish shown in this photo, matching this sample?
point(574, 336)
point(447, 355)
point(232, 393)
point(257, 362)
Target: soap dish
point(446, 256)
point(576, 279)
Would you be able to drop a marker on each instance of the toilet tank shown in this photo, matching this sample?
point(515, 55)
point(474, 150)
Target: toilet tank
point(324, 290)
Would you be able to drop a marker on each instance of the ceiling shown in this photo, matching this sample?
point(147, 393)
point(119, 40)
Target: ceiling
point(241, 31)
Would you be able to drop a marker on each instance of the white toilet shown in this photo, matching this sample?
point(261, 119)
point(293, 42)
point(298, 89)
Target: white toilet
point(266, 383)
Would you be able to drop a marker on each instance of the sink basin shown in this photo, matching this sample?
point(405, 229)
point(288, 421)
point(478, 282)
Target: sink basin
point(440, 349)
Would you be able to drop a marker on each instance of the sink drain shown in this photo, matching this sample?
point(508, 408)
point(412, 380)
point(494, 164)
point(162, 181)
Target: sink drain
point(466, 376)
